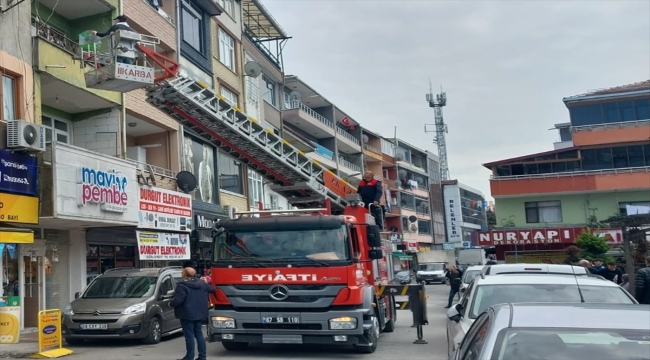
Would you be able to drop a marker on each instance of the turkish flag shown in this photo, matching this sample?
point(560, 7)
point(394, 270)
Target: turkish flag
point(346, 121)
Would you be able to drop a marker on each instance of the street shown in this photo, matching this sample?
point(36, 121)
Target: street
point(396, 345)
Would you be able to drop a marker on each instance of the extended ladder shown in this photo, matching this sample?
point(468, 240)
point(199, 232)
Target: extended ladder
point(303, 181)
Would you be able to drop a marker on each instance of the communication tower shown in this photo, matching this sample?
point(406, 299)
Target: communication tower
point(440, 128)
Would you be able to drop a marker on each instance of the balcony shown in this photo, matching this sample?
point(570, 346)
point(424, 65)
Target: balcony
point(348, 167)
point(306, 119)
point(347, 143)
point(571, 182)
point(613, 133)
point(372, 153)
point(146, 20)
point(75, 9)
point(151, 143)
point(62, 84)
point(324, 156)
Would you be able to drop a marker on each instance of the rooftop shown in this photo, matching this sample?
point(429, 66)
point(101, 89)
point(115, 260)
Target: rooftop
point(635, 88)
point(528, 156)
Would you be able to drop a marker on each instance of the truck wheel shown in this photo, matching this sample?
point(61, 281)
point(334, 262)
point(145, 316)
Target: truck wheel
point(234, 346)
point(372, 337)
point(390, 324)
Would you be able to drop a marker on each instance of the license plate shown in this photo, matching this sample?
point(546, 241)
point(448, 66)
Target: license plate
point(93, 326)
point(280, 320)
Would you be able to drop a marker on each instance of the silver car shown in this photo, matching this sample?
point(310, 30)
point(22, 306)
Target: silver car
point(544, 331)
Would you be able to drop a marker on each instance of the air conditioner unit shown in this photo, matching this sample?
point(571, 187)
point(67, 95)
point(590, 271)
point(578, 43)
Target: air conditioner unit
point(25, 136)
point(413, 227)
point(230, 210)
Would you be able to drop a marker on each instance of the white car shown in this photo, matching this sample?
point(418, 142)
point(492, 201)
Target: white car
point(469, 274)
point(486, 291)
point(558, 269)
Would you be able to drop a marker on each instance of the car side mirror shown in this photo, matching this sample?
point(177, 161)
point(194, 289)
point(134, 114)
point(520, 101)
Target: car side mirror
point(169, 294)
point(454, 312)
point(462, 290)
point(76, 295)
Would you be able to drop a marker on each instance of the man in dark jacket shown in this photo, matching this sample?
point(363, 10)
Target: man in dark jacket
point(190, 305)
point(120, 24)
point(642, 284)
point(371, 191)
point(455, 278)
point(612, 273)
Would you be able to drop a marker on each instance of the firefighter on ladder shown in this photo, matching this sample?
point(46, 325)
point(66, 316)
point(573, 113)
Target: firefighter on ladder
point(120, 24)
point(370, 190)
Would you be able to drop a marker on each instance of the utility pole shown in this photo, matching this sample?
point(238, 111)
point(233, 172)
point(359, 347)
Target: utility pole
point(440, 128)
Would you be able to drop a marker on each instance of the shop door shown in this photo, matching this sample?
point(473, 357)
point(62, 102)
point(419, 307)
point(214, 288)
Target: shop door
point(34, 289)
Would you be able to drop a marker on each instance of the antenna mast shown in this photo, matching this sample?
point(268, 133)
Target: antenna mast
point(437, 103)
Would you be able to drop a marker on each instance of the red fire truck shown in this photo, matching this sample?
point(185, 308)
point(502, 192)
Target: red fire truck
point(300, 277)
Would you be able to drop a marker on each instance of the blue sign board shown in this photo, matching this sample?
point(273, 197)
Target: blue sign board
point(467, 244)
point(18, 173)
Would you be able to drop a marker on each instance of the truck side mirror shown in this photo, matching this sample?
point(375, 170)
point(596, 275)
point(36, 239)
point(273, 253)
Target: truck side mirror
point(373, 235)
point(375, 254)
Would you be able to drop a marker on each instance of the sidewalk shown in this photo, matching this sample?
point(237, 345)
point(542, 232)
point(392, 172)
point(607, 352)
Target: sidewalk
point(28, 345)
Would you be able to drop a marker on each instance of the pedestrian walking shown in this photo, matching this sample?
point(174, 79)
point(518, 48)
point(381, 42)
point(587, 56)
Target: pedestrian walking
point(455, 277)
point(191, 305)
point(642, 283)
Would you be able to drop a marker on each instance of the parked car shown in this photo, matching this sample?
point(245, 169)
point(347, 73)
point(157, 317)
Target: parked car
point(124, 303)
point(470, 273)
point(556, 269)
point(403, 277)
point(544, 331)
point(486, 291)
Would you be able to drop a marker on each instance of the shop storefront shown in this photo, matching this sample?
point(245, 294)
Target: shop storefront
point(21, 265)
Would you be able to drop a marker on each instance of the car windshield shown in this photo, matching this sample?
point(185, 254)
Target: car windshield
point(470, 275)
point(314, 247)
point(121, 287)
point(403, 274)
point(489, 295)
point(555, 344)
point(431, 267)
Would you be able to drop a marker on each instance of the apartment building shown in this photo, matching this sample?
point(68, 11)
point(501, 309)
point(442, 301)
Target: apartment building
point(437, 200)
point(599, 169)
point(108, 160)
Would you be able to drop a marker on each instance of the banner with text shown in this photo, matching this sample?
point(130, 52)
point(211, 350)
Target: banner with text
point(163, 246)
point(161, 209)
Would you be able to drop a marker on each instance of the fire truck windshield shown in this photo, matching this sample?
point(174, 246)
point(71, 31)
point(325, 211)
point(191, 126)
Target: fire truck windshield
point(314, 247)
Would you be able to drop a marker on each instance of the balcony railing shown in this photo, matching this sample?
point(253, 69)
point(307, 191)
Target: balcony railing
point(347, 135)
point(156, 169)
point(616, 125)
point(349, 165)
point(55, 37)
point(291, 105)
point(574, 173)
point(372, 149)
point(161, 12)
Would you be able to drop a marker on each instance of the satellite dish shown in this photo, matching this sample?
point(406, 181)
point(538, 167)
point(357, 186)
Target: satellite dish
point(252, 69)
point(365, 139)
point(402, 173)
point(413, 218)
point(186, 181)
point(397, 183)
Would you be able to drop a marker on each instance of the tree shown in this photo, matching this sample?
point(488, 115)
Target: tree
point(592, 246)
point(491, 219)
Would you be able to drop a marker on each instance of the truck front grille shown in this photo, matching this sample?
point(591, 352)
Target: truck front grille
point(283, 326)
point(262, 298)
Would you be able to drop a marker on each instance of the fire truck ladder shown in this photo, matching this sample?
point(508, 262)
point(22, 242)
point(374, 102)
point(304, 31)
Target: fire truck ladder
point(302, 180)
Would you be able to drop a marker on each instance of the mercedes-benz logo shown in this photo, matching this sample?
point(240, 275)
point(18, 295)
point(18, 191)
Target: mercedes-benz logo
point(279, 292)
point(97, 312)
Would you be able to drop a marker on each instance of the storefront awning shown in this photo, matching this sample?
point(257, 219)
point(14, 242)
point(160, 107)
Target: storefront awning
point(402, 256)
point(16, 236)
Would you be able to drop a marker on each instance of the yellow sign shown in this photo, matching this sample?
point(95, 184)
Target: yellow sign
point(49, 335)
point(11, 236)
point(18, 209)
point(9, 324)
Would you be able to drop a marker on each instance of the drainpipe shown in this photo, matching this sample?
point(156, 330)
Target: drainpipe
point(120, 9)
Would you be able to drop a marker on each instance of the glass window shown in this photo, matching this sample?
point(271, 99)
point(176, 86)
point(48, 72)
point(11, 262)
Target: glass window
point(192, 27)
point(108, 287)
point(226, 49)
point(255, 189)
point(622, 207)
point(166, 285)
point(559, 167)
point(270, 91)
point(407, 200)
point(610, 112)
point(424, 227)
point(597, 159)
point(227, 6)
point(642, 109)
point(230, 174)
point(626, 110)
point(635, 155)
point(646, 154)
point(8, 96)
point(543, 212)
point(619, 157)
point(586, 115)
point(56, 129)
point(230, 96)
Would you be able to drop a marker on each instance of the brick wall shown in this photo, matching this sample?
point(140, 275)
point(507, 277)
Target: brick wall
point(238, 201)
point(146, 20)
point(99, 133)
point(138, 107)
point(222, 74)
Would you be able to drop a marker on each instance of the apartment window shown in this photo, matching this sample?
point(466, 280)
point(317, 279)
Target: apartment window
point(424, 227)
point(543, 212)
point(230, 96)
point(230, 174)
point(226, 49)
point(192, 27)
point(8, 96)
point(270, 91)
point(407, 200)
point(638, 207)
point(228, 6)
point(57, 129)
point(255, 188)
point(387, 147)
point(275, 202)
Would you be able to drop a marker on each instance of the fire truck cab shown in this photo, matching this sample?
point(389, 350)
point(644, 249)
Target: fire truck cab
point(300, 277)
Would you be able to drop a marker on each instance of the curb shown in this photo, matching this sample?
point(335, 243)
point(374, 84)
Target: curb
point(16, 354)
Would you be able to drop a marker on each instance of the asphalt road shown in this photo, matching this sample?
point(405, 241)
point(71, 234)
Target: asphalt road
point(396, 345)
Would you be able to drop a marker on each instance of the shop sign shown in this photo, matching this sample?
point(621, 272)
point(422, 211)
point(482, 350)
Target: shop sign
point(613, 236)
point(106, 188)
point(163, 246)
point(9, 323)
point(411, 245)
point(453, 227)
point(529, 236)
point(18, 173)
point(162, 209)
point(18, 209)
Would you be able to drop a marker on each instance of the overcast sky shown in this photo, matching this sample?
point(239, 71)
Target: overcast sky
point(505, 66)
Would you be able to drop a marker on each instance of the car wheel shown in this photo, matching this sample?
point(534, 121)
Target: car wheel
point(72, 341)
point(155, 332)
point(234, 346)
point(372, 337)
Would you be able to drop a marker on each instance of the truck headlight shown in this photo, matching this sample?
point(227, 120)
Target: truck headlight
point(343, 323)
point(68, 310)
point(222, 322)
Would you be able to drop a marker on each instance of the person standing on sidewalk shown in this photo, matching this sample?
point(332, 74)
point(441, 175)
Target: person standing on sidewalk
point(642, 284)
point(455, 277)
point(191, 305)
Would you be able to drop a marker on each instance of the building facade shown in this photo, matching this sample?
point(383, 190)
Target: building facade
point(465, 213)
point(437, 201)
point(599, 168)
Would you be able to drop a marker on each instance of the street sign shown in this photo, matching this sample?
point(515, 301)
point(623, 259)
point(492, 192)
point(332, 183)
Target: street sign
point(467, 244)
point(448, 246)
point(50, 341)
